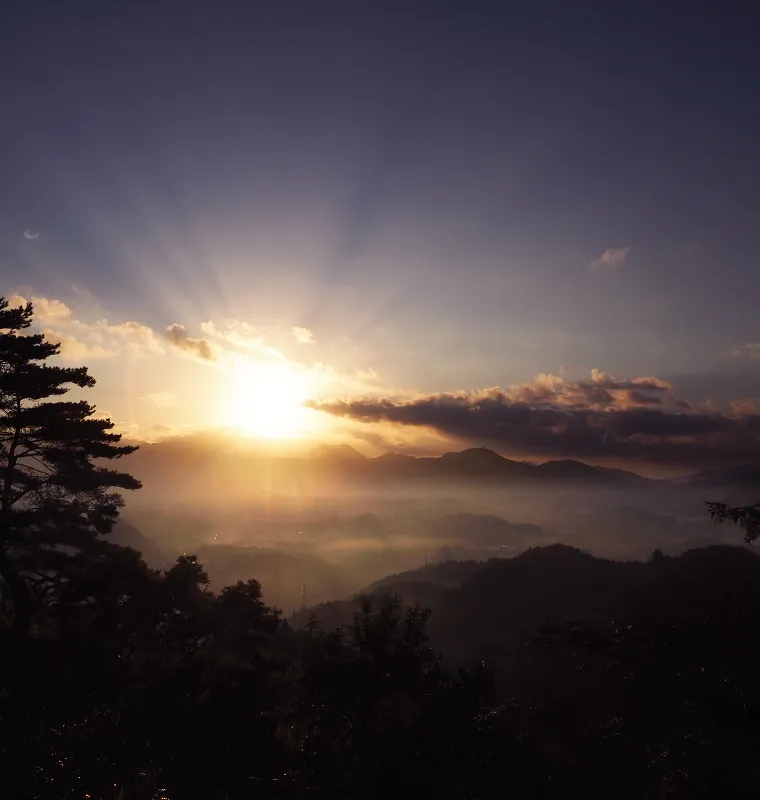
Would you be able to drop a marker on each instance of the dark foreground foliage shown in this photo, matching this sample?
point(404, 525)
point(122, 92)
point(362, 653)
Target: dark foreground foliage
point(134, 676)
point(143, 684)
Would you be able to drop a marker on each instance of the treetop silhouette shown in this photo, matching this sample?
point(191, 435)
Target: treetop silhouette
point(55, 495)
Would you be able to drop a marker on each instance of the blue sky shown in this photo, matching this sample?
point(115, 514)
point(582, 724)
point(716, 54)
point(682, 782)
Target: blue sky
point(426, 186)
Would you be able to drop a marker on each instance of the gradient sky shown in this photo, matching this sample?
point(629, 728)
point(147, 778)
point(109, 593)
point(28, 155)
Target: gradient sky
point(456, 195)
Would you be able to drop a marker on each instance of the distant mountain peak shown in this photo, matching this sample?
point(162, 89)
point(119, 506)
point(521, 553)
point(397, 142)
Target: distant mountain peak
point(337, 452)
point(569, 469)
point(481, 455)
point(745, 476)
point(395, 457)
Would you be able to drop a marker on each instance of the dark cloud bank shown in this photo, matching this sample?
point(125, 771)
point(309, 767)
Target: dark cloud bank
point(639, 420)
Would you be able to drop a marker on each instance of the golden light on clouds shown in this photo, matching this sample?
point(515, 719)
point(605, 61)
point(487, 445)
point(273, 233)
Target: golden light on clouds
point(227, 374)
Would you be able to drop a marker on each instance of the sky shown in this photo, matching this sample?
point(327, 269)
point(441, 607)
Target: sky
point(241, 208)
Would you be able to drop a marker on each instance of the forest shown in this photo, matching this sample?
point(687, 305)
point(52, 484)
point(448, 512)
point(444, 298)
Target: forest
point(554, 673)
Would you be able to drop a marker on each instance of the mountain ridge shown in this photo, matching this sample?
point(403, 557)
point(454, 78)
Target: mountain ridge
point(225, 465)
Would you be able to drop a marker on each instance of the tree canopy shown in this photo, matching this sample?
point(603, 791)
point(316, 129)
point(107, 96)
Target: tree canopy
point(56, 494)
point(746, 517)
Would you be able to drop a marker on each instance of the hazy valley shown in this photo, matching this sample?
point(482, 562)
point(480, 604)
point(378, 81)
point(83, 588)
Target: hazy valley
point(391, 514)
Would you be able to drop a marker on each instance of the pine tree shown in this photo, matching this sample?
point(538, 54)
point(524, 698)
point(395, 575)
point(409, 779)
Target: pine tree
point(55, 496)
point(746, 517)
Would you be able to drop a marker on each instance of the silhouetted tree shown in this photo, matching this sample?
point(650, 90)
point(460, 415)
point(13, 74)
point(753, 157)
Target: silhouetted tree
point(664, 701)
point(55, 498)
point(374, 710)
point(747, 517)
point(138, 672)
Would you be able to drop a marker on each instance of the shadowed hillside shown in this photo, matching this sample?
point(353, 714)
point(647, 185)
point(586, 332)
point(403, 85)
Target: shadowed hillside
point(490, 609)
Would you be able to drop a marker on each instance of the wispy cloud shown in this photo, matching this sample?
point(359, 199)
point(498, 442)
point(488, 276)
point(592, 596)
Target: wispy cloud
point(370, 375)
point(30, 236)
point(73, 349)
point(303, 335)
point(227, 346)
point(46, 310)
point(230, 340)
point(160, 399)
point(747, 406)
point(178, 336)
point(611, 259)
point(80, 339)
point(749, 350)
point(240, 337)
point(134, 334)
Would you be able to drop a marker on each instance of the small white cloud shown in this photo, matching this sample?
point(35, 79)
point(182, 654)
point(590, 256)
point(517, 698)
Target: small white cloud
point(97, 339)
point(611, 259)
point(749, 350)
point(133, 334)
point(303, 335)
point(160, 399)
point(178, 336)
point(72, 349)
point(747, 407)
point(31, 235)
point(49, 311)
point(367, 374)
point(236, 336)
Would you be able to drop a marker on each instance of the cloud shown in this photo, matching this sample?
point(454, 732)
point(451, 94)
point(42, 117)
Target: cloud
point(229, 345)
point(81, 340)
point(177, 335)
point(240, 337)
point(16, 300)
point(94, 339)
point(49, 310)
point(46, 310)
point(133, 334)
point(749, 350)
point(140, 434)
point(160, 399)
point(72, 349)
point(303, 335)
point(234, 331)
point(610, 259)
point(749, 406)
point(129, 337)
point(603, 391)
point(231, 340)
point(31, 235)
point(638, 420)
point(369, 375)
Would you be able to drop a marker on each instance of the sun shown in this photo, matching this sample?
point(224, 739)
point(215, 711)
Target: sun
point(266, 400)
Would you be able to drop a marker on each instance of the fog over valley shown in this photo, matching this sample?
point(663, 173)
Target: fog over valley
point(327, 525)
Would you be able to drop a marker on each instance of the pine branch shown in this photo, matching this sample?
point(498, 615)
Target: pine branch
point(54, 500)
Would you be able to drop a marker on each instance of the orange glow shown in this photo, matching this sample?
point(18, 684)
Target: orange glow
point(266, 400)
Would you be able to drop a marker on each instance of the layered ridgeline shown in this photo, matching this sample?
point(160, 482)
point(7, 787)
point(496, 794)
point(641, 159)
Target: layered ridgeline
point(212, 466)
point(215, 461)
point(492, 609)
point(311, 557)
